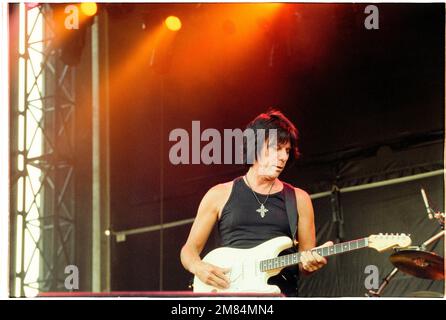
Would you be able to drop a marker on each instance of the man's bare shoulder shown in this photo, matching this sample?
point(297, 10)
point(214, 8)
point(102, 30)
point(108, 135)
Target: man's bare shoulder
point(304, 204)
point(302, 196)
point(221, 189)
point(219, 194)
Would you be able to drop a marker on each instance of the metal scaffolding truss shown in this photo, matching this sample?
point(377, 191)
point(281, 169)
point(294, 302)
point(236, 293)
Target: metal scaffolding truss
point(43, 172)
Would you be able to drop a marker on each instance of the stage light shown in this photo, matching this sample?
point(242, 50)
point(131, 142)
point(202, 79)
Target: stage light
point(89, 8)
point(173, 23)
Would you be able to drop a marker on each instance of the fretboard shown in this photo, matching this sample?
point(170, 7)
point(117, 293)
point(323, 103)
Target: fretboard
point(295, 258)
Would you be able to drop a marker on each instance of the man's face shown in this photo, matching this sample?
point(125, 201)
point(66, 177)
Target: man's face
point(273, 158)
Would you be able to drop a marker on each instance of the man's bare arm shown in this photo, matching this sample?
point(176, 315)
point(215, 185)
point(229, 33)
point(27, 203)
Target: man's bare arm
point(311, 261)
point(205, 220)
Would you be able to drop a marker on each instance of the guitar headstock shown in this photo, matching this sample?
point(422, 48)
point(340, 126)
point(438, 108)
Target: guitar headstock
point(382, 242)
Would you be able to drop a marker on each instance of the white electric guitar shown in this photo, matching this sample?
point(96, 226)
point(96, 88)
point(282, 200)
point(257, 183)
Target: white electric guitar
point(250, 269)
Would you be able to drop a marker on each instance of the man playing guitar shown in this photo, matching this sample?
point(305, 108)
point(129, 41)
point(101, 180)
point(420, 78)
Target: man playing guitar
point(251, 210)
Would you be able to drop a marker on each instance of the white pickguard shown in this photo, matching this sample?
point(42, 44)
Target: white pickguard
point(245, 274)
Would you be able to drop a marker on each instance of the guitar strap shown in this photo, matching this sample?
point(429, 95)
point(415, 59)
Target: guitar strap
point(291, 209)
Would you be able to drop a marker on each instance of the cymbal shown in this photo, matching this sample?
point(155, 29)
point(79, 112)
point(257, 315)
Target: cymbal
point(418, 263)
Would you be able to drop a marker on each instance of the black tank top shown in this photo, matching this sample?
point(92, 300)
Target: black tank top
point(241, 226)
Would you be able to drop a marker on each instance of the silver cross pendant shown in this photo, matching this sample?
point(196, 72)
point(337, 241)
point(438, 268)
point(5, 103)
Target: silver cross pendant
point(262, 210)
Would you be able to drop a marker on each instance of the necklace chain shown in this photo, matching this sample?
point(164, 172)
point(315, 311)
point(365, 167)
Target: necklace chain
point(269, 192)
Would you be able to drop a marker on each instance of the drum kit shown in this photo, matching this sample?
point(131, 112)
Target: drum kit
point(417, 261)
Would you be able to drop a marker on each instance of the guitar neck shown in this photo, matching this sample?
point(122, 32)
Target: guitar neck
point(295, 258)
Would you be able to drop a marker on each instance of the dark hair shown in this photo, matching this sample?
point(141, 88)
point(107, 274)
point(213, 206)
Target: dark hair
point(286, 132)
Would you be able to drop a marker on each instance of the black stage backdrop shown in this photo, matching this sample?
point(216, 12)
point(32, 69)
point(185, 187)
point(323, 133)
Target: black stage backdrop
point(369, 105)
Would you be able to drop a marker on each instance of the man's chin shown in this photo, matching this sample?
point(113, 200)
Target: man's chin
point(273, 173)
point(277, 173)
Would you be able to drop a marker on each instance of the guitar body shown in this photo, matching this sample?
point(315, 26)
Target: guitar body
point(245, 275)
